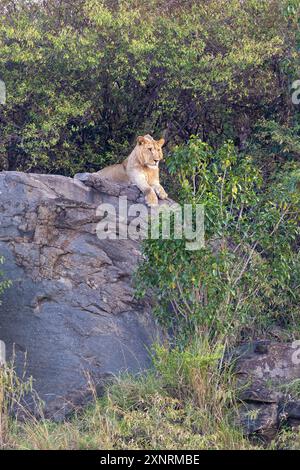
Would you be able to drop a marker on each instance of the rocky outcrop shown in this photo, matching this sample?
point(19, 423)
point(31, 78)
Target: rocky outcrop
point(70, 316)
point(268, 376)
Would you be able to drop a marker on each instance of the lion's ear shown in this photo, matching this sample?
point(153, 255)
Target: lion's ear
point(140, 140)
point(161, 142)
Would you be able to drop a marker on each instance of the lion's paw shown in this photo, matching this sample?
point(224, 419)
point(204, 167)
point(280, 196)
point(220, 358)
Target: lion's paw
point(151, 199)
point(162, 194)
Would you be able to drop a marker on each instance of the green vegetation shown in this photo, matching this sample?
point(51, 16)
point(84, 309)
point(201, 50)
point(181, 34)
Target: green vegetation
point(83, 79)
point(7, 388)
point(245, 280)
point(185, 404)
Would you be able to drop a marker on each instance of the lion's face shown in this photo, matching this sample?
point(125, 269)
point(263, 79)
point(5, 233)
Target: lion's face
point(150, 150)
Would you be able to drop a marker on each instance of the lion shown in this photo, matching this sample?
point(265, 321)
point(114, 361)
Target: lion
point(141, 168)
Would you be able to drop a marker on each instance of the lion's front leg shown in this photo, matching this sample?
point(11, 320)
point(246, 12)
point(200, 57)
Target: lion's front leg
point(150, 197)
point(141, 182)
point(160, 191)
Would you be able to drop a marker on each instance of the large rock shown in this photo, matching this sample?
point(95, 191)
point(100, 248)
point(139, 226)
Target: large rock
point(268, 376)
point(70, 316)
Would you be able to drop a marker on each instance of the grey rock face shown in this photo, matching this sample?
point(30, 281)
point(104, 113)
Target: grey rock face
point(70, 315)
point(269, 381)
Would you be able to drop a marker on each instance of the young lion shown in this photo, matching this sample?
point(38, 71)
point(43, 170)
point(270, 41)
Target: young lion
point(141, 169)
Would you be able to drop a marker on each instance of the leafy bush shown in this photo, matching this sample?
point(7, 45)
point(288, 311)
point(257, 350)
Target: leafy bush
point(245, 279)
point(85, 77)
point(273, 145)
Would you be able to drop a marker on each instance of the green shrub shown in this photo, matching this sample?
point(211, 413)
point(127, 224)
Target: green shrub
point(245, 279)
point(83, 78)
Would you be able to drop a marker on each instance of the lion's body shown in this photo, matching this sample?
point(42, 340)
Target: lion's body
point(141, 169)
point(115, 173)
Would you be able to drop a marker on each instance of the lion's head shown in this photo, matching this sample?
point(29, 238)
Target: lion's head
point(149, 150)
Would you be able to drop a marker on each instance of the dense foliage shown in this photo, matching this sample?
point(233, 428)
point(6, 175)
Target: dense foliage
point(84, 77)
point(246, 279)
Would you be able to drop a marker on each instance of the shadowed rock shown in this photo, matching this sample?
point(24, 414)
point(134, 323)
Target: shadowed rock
point(269, 380)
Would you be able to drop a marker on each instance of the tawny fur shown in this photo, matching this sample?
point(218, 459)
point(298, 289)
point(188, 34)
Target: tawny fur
point(140, 168)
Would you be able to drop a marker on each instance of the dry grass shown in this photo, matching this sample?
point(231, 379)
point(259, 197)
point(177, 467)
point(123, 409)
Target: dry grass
point(187, 403)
